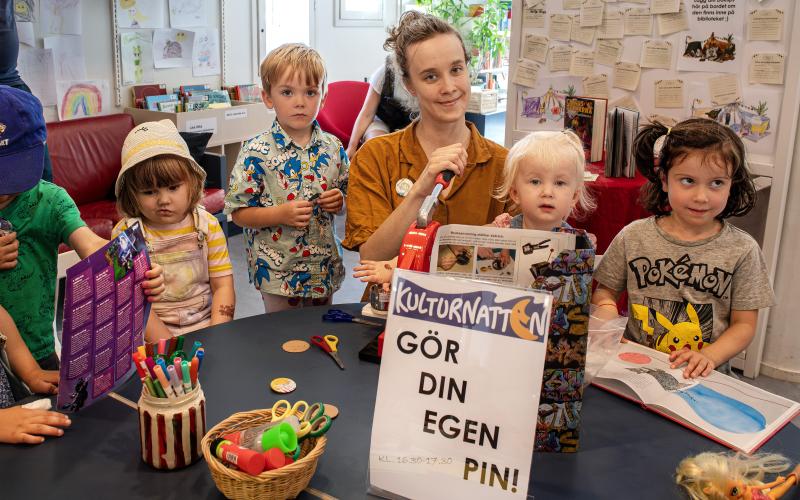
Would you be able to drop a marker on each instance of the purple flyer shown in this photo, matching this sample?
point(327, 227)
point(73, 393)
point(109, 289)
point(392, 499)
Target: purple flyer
point(105, 313)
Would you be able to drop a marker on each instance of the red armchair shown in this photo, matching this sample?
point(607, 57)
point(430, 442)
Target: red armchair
point(341, 108)
point(86, 160)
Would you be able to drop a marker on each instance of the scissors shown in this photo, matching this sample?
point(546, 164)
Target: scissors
point(328, 344)
point(339, 316)
point(314, 422)
point(287, 410)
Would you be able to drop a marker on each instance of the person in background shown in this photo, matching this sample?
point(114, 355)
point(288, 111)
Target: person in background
point(387, 107)
point(9, 53)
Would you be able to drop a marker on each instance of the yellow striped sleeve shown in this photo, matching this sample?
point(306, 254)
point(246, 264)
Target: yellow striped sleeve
point(219, 262)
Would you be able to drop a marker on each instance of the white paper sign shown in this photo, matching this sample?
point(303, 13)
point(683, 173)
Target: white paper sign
point(455, 351)
point(201, 125)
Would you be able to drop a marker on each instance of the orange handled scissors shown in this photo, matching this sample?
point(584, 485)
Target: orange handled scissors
point(328, 344)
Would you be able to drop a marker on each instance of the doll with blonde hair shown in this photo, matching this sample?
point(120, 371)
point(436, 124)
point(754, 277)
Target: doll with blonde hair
point(712, 476)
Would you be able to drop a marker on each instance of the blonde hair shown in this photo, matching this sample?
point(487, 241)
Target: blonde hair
point(713, 470)
point(158, 171)
point(294, 58)
point(548, 148)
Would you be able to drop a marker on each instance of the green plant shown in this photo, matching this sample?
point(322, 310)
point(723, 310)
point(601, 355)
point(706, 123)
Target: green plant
point(485, 34)
point(452, 11)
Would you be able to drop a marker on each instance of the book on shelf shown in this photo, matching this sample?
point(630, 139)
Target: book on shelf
point(141, 91)
point(623, 124)
point(152, 101)
point(586, 116)
point(170, 106)
point(250, 92)
point(720, 407)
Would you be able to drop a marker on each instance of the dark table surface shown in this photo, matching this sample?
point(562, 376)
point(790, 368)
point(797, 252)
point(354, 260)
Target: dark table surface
point(625, 450)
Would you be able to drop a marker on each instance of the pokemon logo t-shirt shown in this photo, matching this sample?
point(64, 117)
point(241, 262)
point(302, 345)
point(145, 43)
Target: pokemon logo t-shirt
point(681, 293)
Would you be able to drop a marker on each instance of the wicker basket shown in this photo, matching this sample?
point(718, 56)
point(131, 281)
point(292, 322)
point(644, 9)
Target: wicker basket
point(286, 482)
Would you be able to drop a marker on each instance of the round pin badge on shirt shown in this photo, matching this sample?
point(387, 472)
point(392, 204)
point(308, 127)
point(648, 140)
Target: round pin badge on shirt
point(283, 385)
point(403, 186)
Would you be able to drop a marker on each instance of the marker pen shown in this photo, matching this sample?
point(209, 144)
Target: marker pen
point(193, 371)
point(175, 381)
point(162, 379)
point(159, 391)
point(141, 370)
point(197, 345)
point(187, 381)
point(142, 352)
point(150, 365)
point(179, 344)
point(162, 346)
point(249, 461)
point(200, 355)
point(148, 382)
point(177, 363)
point(163, 364)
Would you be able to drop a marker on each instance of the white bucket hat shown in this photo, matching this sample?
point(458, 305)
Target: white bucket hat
point(151, 139)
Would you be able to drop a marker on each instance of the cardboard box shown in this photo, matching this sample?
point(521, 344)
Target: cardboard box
point(482, 102)
point(240, 122)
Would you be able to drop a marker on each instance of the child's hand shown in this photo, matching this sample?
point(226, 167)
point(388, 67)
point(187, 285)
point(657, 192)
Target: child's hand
point(43, 381)
point(371, 271)
point(697, 364)
point(297, 213)
point(9, 250)
point(331, 200)
point(153, 286)
point(21, 425)
point(502, 220)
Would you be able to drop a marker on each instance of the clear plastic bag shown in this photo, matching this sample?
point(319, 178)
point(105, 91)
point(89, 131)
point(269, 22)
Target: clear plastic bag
point(605, 333)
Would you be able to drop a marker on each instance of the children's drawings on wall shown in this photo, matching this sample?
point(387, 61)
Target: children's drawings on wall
point(60, 17)
point(713, 37)
point(187, 13)
point(136, 54)
point(24, 11)
point(542, 107)
point(205, 52)
point(35, 66)
point(754, 117)
point(79, 99)
point(172, 48)
point(67, 56)
point(140, 13)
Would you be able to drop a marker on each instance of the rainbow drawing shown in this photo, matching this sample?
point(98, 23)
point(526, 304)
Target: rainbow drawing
point(81, 100)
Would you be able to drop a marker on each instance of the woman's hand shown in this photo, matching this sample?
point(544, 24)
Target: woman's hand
point(21, 425)
point(452, 157)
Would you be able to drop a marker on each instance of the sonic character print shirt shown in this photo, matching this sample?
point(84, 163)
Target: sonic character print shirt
point(271, 170)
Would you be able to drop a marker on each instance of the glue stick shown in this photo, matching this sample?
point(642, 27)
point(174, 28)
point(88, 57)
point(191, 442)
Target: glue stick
point(249, 461)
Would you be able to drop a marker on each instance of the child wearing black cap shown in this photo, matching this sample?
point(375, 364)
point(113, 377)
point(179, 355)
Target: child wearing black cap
point(42, 215)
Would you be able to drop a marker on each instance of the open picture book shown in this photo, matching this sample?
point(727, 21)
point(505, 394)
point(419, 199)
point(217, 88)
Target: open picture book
point(723, 408)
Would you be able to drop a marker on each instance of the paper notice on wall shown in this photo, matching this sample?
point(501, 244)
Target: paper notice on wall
point(571, 4)
point(626, 101)
point(656, 54)
point(638, 21)
point(581, 63)
point(582, 35)
point(767, 68)
point(25, 34)
point(36, 68)
point(592, 13)
point(560, 27)
point(715, 37)
point(765, 24)
point(527, 73)
point(665, 6)
point(596, 86)
point(626, 75)
point(534, 17)
point(674, 22)
point(542, 107)
point(187, 13)
point(60, 17)
point(140, 13)
point(669, 94)
point(560, 57)
point(536, 48)
point(205, 52)
point(136, 57)
point(608, 52)
point(172, 48)
point(68, 59)
point(613, 25)
point(724, 89)
point(82, 99)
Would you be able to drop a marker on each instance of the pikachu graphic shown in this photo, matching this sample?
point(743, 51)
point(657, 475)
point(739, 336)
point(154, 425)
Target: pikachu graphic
point(686, 334)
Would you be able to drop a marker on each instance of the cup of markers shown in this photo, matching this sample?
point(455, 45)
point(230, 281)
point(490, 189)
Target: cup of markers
point(270, 453)
point(172, 407)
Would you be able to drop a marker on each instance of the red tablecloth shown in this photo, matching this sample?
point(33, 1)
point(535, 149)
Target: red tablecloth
point(617, 206)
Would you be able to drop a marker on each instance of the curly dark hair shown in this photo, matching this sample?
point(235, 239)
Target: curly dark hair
point(414, 27)
point(694, 134)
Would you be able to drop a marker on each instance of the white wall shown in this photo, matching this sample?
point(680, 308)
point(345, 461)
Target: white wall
point(781, 358)
point(98, 47)
point(350, 53)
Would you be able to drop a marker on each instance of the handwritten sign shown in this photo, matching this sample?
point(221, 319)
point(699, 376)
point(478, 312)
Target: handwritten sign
point(458, 393)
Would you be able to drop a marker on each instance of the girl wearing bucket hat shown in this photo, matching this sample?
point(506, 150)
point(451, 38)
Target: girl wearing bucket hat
point(160, 186)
